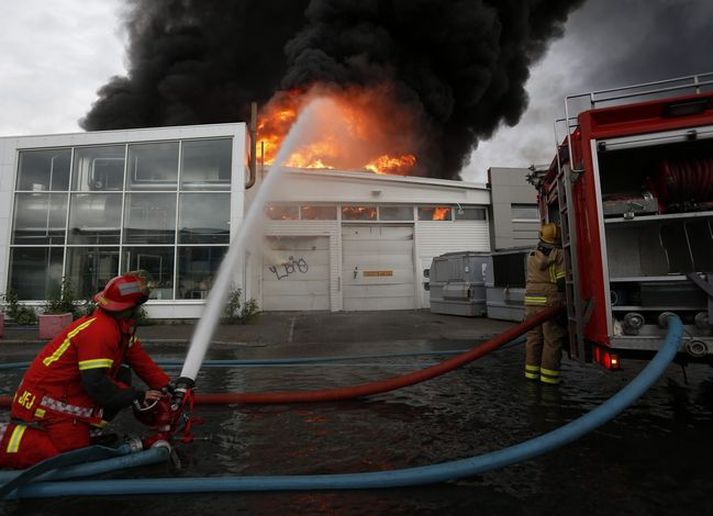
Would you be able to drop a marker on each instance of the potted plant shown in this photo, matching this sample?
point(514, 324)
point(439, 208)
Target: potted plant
point(58, 311)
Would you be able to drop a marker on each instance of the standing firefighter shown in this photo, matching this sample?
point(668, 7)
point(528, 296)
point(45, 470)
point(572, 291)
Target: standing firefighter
point(545, 285)
point(73, 386)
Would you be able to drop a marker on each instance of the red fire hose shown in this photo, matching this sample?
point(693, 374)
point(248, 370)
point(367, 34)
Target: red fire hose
point(381, 386)
point(377, 387)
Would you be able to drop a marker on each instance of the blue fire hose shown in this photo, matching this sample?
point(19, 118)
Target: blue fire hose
point(384, 479)
point(125, 459)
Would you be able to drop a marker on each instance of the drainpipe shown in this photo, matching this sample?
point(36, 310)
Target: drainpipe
point(253, 146)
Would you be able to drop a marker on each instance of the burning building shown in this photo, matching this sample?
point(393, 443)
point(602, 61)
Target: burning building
point(86, 206)
point(160, 179)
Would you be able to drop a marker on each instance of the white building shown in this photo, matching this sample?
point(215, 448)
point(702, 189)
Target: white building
point(87, 206)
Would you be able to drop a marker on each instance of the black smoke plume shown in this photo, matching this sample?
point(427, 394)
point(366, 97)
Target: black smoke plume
point(460, 64)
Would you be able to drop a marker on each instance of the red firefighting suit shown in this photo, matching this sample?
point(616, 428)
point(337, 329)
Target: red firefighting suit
point(51, 411)
point(545, 266)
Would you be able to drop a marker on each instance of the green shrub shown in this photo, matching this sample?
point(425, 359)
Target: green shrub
point(22, 315)
point(235, 312)
point(61, 301)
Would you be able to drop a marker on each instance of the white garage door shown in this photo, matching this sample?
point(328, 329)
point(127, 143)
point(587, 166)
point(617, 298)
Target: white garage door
point(378, 267)
point(296, 273)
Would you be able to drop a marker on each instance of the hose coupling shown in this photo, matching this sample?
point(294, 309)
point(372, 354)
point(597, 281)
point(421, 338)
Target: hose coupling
point(162, 444)
point(696, 348)
point(134, 443)
point(664, 317)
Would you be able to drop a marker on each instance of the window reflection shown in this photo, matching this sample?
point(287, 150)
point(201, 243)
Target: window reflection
point(40, 219)
point(35, 272)
point(153, 166)
point(98, 168)
point(44, 170)
point(470, 213)
point(395, 213)
point(204, 218)
point(94, 219)
point(206, 164)
point(89, 268)
point(197, 267)
point(158, 261)
point(150, 219)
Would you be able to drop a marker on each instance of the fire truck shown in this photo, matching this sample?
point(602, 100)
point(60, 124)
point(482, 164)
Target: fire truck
point(631, 187)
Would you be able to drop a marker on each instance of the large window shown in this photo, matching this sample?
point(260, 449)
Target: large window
point(39, 219)
point(35, 272)
point(94, 219)
point(204, 218)
point(150, 218)
point(89, 212)
point(197, 267)
point(44, 170)
point(206, 165)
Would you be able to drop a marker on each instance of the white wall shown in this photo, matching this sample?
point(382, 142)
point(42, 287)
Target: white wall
point(338, 187)
point(7, 184)
point(360, 187)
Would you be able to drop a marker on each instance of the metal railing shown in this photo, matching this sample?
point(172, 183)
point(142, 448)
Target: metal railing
point(694, 84)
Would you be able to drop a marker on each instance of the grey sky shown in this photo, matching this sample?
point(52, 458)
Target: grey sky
point(607, 44)
point(56, 54)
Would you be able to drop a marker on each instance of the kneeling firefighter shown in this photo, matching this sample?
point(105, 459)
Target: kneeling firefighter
point(544, 288)
point(73, 386)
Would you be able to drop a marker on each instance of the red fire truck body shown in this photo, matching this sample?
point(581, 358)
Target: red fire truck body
point(632, 189)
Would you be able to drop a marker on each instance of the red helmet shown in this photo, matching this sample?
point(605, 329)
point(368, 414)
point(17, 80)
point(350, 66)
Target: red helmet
point(124, 292)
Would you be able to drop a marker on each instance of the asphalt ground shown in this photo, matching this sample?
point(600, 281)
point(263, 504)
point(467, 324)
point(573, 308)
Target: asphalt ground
point(654, 458)
point(322, 329)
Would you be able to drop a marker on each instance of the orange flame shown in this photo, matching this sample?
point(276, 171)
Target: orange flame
point(358, 129)
point(392, 165)
point(441, 213)
point(359, 212)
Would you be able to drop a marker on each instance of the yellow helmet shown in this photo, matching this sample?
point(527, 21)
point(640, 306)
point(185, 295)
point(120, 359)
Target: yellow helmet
point(549, 233)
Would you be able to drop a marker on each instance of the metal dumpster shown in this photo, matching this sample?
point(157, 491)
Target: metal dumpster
point(457, 285)
point(505, 275)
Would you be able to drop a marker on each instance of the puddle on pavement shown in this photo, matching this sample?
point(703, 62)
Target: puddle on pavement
point(655, 457)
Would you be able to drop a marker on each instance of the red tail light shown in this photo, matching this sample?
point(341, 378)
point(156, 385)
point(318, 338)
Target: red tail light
point(607, 359)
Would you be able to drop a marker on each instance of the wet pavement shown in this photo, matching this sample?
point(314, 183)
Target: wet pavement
point(655, 458)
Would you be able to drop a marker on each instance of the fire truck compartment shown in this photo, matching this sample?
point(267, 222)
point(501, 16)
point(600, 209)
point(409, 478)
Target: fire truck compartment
point(657, 217)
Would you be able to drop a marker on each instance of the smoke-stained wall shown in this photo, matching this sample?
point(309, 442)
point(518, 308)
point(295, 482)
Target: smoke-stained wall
point(460, 65)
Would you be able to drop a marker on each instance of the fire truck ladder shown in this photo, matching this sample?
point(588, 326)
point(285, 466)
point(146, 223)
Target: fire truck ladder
point(575, 305)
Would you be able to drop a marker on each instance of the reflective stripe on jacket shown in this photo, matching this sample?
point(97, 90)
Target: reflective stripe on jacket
point(53, 382)
point(543, 271)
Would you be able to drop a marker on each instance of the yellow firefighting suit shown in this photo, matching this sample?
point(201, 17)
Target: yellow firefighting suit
point(545, 265)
